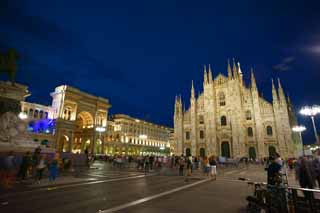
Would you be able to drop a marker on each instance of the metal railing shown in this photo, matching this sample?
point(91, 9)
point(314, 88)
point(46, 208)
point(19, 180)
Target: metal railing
point(282, 199)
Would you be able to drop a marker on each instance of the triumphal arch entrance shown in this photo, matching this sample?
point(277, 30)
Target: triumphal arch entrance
point(80, 120)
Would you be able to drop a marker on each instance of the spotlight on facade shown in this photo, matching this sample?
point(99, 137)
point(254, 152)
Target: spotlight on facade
point(143, 136)
point(23, 115)
point(300, 129)
point(100, 129)
point(312, 111)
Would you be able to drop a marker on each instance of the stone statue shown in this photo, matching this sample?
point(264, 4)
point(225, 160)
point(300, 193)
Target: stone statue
point(13, 130)
point(8, 64)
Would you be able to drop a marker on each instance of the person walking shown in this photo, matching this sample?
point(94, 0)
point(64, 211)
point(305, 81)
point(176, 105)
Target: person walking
point(213, 168)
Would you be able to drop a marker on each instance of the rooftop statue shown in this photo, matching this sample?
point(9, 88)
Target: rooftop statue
point(8, 63)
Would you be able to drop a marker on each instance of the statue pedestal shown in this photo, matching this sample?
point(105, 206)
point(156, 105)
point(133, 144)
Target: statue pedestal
point(13, 131)
point(11, 96)
point(15, 91)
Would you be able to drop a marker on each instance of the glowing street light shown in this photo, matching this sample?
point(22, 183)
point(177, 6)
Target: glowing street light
point(100, 129)
point(311, 111)
point(23, 115)
point(300, 129)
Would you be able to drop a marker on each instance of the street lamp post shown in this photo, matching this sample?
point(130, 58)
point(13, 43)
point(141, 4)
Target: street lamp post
point(312, 111)
point(300, 129)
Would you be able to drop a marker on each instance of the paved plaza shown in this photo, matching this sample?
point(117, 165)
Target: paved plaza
point(105, 189)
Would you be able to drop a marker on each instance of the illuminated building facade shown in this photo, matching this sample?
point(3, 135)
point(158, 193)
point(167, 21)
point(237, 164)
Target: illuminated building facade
point(128, 135)
point(233, 120)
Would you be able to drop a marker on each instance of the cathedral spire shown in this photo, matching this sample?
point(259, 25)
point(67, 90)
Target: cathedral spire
point(235, 70)
point(253, 80)
point(205, 75)
point(281, 93)
point(192, 90)
point(229, 70)
point(210, 75)
point(274, 93)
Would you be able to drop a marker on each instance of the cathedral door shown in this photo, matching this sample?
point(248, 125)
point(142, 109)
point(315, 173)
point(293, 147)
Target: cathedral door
point(202, 152)
point(252, 153)
point(188, 152)
point(272, 150)
point(225, 149)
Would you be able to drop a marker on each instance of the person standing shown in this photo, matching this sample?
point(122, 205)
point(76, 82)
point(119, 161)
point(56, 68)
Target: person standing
point(40, 168)
point(25, 165)
point(274, 175)
point(205, 166)
point(189, 165)
point(213, 168)
point(53, 168)
point(316, 167)
point(304, 175)
point(181, 165)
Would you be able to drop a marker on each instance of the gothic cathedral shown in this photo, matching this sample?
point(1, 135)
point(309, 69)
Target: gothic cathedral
point(232, 120)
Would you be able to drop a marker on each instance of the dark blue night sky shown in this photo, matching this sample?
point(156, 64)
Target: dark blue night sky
point(140, 54)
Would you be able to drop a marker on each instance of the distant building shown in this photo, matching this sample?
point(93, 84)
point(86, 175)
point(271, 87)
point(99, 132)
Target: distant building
point(128, 135)
point(232, 120)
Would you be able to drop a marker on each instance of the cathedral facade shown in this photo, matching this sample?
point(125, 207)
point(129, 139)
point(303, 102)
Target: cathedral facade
point(232, 120)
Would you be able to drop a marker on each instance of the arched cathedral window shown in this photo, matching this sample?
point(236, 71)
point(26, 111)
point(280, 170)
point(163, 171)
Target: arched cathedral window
point(223, 120)
point(201, 119)
point(222, 99)
point(250, 132)
point(248, 115)
point(269, 131)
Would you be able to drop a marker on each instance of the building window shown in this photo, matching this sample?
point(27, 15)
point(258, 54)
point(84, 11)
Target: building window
point(250, 132)
point(41, 114)
point(187, 135)
point(201, 134)
point(223, 121)
point(31, 112)
point(36, 113)
point(269, 130)
point(222, 99)
point(201, 119)
point(248, 115)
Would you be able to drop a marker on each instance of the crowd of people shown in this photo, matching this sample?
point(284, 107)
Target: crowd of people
point(306, 168)
point(31, 166)
point(34, 165)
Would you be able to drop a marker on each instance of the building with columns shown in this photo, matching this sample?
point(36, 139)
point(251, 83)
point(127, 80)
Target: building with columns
point(133, 136)
point(232, 120)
